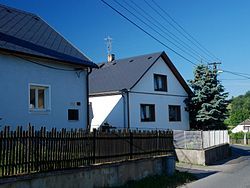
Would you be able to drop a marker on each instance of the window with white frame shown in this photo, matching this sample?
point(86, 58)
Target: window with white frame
point(39, 98)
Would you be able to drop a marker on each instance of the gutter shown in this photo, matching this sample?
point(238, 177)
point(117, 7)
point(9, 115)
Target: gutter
point(125, 92)
point(87, 94)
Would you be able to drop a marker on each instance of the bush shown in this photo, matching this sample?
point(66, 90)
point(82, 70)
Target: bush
point(239, 135)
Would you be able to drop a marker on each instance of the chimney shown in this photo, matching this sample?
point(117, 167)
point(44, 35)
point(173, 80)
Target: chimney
point(111, 57)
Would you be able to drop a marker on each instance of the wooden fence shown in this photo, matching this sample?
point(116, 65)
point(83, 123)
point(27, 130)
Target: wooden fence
point(30, 151)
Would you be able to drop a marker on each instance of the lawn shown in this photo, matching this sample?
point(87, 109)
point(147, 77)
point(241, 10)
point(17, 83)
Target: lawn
point(161, 181)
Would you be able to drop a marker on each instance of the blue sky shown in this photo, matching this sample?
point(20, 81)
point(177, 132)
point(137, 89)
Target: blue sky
point(221, 26)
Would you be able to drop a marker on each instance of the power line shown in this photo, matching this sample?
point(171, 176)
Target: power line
point(237, 74)
point(156, 31)
point(149, 34)
point(199, 46)
point(162, 43)
point(165, 29)
point(47, 66)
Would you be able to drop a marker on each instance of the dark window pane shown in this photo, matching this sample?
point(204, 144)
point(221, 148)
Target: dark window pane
point(73, 114)
point(32, 98)
point(160, 82)
point(41, 99)
point(174, 113)
point(147, 112)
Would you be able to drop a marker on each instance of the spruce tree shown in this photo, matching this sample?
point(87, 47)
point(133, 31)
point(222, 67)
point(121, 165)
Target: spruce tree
point(208, 105)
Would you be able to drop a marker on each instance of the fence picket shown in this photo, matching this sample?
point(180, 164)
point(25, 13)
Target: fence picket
point(28, 151)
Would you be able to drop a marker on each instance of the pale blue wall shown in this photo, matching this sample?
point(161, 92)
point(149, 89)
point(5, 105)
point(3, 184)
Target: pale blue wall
point(66, 88)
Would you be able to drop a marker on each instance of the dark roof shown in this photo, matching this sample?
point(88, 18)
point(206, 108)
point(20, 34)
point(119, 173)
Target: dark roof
point(125, 73)
point(246, 122)
point(26, 33)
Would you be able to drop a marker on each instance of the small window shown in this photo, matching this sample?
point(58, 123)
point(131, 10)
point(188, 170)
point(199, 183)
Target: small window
point(73, 114)
point(147, 112)
point(39, 97)
point(174, 113)
point(160, 82)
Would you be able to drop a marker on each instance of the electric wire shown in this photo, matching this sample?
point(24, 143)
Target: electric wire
point(237, 74)
point(164, 29)
point(244, 75)
point(193, 41)
point(147, 33)
point(43, 65)
point(156, 31)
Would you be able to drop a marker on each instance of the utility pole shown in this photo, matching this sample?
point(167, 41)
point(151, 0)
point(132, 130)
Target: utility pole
point(215, 70)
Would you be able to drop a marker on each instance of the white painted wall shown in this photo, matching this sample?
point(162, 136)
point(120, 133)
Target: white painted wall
point(66, 89)
point(146, 84)
point(161, 112)
point(145, 94)
point(239, 128)
point(107, 109)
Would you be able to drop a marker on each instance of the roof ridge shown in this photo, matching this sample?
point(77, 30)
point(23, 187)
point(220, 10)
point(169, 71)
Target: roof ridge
point(136, 56)
point(18, 10)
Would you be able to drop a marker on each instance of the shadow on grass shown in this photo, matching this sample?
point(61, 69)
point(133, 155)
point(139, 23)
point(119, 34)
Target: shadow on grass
point(162, 181)
point(198, 174)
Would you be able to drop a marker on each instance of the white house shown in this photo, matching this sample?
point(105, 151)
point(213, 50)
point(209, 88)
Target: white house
point(143, 92)
point(242, 127)
point(43, 77)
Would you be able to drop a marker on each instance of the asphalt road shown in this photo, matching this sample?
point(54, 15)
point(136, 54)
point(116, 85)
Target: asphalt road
point(234, 172)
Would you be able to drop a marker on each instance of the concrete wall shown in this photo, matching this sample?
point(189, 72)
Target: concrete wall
point(66, 88)
point(203, 157)
point(104, 175)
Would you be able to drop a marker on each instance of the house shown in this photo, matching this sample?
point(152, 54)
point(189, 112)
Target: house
point(43, 77)
point(143, 92)
point(242, 127)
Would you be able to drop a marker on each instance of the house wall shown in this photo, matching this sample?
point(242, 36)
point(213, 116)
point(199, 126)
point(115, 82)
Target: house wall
point(66, 88)
point(240, 128)
point(143, 93)
point(111, 108)
point(107, 109)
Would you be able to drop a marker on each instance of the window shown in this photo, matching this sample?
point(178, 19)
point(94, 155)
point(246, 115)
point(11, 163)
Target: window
point(174, 113)
point(39, 98)
point(147, 112)
point(73, 114)
point(160, 82)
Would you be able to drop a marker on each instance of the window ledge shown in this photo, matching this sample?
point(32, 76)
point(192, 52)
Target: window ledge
point(37, 111)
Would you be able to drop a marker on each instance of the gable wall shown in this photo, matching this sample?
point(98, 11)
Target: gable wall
point(146, 84)
point(66, 89)
point(143, 93)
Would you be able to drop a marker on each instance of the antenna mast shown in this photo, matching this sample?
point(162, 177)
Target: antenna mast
point(111, 57)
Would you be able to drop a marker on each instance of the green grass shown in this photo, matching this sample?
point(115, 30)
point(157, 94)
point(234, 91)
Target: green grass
point(161, 181)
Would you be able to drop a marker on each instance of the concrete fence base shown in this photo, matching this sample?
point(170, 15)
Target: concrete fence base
point(203, 157)
point(100, 175)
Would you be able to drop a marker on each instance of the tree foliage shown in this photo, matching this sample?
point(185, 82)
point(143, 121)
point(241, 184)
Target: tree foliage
point(239, 109)
point(208, 105)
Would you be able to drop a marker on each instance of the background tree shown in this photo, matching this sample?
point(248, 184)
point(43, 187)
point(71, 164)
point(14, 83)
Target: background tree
point(208, 105)
point(239, 109)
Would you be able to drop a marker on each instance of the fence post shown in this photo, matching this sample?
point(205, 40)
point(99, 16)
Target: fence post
point(202, 140)
point(94, 144)
point(131, 144)
point(185, 142)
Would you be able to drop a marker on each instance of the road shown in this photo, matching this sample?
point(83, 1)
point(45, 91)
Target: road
point(234, 172)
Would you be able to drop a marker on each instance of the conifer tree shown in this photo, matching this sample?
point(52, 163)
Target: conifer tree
point(208, 105)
